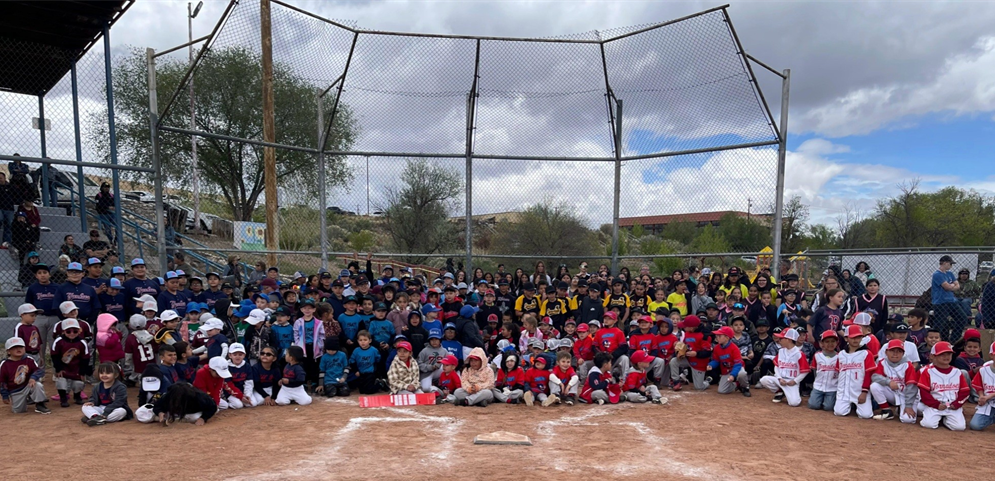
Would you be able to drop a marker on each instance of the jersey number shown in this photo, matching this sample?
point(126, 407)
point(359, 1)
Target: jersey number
point(145, 352)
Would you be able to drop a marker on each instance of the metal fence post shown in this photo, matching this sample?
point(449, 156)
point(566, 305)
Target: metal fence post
point(321, 181)
point(79, 153)
point(618, 184)
point(44, 150)
point(471, 107)
point(782, 150)
point(115, 183)
point(160, 226)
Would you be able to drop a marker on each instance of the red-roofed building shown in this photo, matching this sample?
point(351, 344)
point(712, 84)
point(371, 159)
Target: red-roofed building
point(654, 224)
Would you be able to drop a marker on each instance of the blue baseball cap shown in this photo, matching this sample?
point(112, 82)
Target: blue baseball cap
point(94, 260)
point(180, 273)
point(247, 303)
point(196, 307)
point(115, 283)
point(171, 275)
point(434, 333)
point(138, 261)
point(75, 266)
point(117, 270)
point(468, 311)
point(257, 296)
point(427, 308)
point(345, 273)
point(32, 254)
point(450, 325)
point(161, 280)
point(394, 279)
point(243, 311)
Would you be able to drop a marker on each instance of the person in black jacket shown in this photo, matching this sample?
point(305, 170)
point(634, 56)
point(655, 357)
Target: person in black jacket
point(25, 236)
point(184, 402)
point(105, 211)
point(10, 199)
point(467, 331)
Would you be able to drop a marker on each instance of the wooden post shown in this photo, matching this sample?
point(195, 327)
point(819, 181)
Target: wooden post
point(269, 134)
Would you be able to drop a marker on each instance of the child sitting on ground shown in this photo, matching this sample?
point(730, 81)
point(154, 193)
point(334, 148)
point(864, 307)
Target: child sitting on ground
point(215, 379)
point(790, 368)
point(826, 364)
point(448, 382)
point(333, 370)
point(109, 399)
point(637, 387)
point(856, 365)
point(894, 383)
point(984, 385)
point(20, 379)
point(477, 381)
point(598, 387)
point(537, 380)
point(563, 380)
point(403, 375)
point(726, 357)
point(510, 384)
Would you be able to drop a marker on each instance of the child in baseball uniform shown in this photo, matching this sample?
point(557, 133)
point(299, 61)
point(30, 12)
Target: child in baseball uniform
point(537, 380)
point(865, 320)
point(663, 348)
point(856, 365)
point(428, 360)
point(448, 382)
point(294, 378)
point(333, 369)
point(943, 391)
point(726, 357)
point(266, 377)
point(563, 380)
point(20, 379)
point(30, 333)
point(696, 354)
point(583, 350)
point(611, 339)
point(510, 384)
point(109, 399)
point(71, 362)
point(827, 371)
point(637, 388)
point(241, 376)
point(477, 381)
point(403, 376)
point(642, 339)
point(598, 385)
point(790, 368)
point(969, 361)
point(893, 383)
point(984, 385)
point(214, 378)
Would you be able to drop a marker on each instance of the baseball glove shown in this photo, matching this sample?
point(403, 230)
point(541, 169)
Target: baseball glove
point(681, 349)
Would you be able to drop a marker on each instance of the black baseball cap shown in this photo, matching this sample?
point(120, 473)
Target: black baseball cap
point(450, 287)
point(326, 275)
point(337, 283)
point(307, 302)
point(350, 299)
point(380, 306)
point(563, 285)
point(284, 311)
point(550, 290)
point(947, 259)
point(581, 283)
point(529, 286)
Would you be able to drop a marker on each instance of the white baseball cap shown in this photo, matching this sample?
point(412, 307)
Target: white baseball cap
point(150, 306)
point(255, 317)
point(12, 343)
point(28, 309)
point(206, 316)
point(236, 347)
point(169, 315)
point(67, 307)
point(70, 324)
point(137, 322)
point(220, 366)
point(862, 319)
point(145, 298)
point(788, 334)
point(214, 324)
point(150, 384)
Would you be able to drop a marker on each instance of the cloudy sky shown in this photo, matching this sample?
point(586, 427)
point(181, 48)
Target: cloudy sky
point(881, 93)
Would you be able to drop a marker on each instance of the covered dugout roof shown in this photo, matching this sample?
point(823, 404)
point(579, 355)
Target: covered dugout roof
point(39, 40)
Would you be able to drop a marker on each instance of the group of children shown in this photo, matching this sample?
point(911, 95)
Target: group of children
point(190, 359)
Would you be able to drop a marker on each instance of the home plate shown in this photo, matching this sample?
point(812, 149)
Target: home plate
point(503, 438)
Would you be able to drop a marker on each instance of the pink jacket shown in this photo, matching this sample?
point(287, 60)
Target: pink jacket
point(109, 346)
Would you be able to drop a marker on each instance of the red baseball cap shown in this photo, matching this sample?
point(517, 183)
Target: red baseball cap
point(723, 331)
point(582, 327)
point(489, 292)
point(940, 348)
point(829, 333)
point(449, 360)
point(788, 334)
point(895, 344)
point(492, 318)
point(547, 320)
point(847, 322)
point(854, 331)
point(972, 334)
point(646, 319)
point(641, 356)
point(690, 321)
point(610, 314)
point(404, 345)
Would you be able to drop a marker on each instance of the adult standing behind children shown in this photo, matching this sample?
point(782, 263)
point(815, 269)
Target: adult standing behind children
point(948, 314)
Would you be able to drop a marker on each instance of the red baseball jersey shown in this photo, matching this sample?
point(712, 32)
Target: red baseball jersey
point(642, 342)
point(634, 379)
point(141, 354)
point(14, 375)
point(608, 339)
point(663, 346)
point(727, 356)
point(69, 355)
point(31, 336)
point(511, 378)
point(449, 381)
point(563, 376)
point(696, 341)
point(538, 380)
point(584, 349)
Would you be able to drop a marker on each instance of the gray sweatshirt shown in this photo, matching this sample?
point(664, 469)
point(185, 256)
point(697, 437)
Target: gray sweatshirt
point(909, 392)
point(429, 357)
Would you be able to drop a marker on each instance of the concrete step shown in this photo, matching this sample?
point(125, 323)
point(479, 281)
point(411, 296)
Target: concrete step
point(61, 223)
point(51, 211)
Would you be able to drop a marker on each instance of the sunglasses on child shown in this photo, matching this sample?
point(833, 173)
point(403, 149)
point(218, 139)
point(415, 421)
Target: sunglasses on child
point(73, 330)
point(266, 354)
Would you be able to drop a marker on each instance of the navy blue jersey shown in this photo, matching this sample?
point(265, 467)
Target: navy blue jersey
point(177, 302)
point(85, 298)
point(114, 305)
point(294, 374)
point(365, 360)
point(211, 297)
point(43, 297)
point(95, 283)
point(135, 288)
point(215, 345)
point(240, 374)
point(262, 377)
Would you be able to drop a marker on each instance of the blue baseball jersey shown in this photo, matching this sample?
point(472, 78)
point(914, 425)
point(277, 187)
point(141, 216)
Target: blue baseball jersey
point(454, 348)
point(350, 325)
point(240, 374)
point(334, 366)
point(381, 330)
point(365, 360)
point(284, 337)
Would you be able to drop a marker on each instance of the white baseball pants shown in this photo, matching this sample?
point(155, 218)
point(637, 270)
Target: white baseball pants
point(791, 393)
point(113, 417)
point(953, 419)
point(295, 394)
point(884, 394)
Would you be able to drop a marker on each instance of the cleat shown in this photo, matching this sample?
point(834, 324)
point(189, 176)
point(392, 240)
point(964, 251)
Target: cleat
point(40, 408)
point(677, 386)
point(746, 392)
point(96, 421)
point(779, 397)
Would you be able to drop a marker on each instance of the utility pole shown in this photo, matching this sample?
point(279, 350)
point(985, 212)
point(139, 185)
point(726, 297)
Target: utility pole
point(195, 177)
point(269, 133)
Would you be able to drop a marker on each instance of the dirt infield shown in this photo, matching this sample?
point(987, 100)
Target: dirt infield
point(692, 436)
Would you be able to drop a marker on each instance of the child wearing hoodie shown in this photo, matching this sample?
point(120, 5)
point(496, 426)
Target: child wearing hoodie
point(477, 381)
point(430, 360)
point(510, 385)
point(403, 375)
point(108, 339)
point(416, 333)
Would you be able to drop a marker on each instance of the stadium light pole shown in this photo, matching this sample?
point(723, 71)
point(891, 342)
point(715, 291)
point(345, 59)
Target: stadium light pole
point(195, 177)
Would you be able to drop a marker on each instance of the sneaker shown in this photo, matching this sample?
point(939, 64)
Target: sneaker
point(601, 402)
point(655, 400)
point(708, 380)
point(85, 419)
point(97, 420)
point(570, 401)
point(41, 408)
point(684, 377)
point(77, 399)
point(677, 386)
point(550, 400)
point(529, 398)
point(779, 397)
point(885, 415)
point(746, 392)
point(64, 403)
